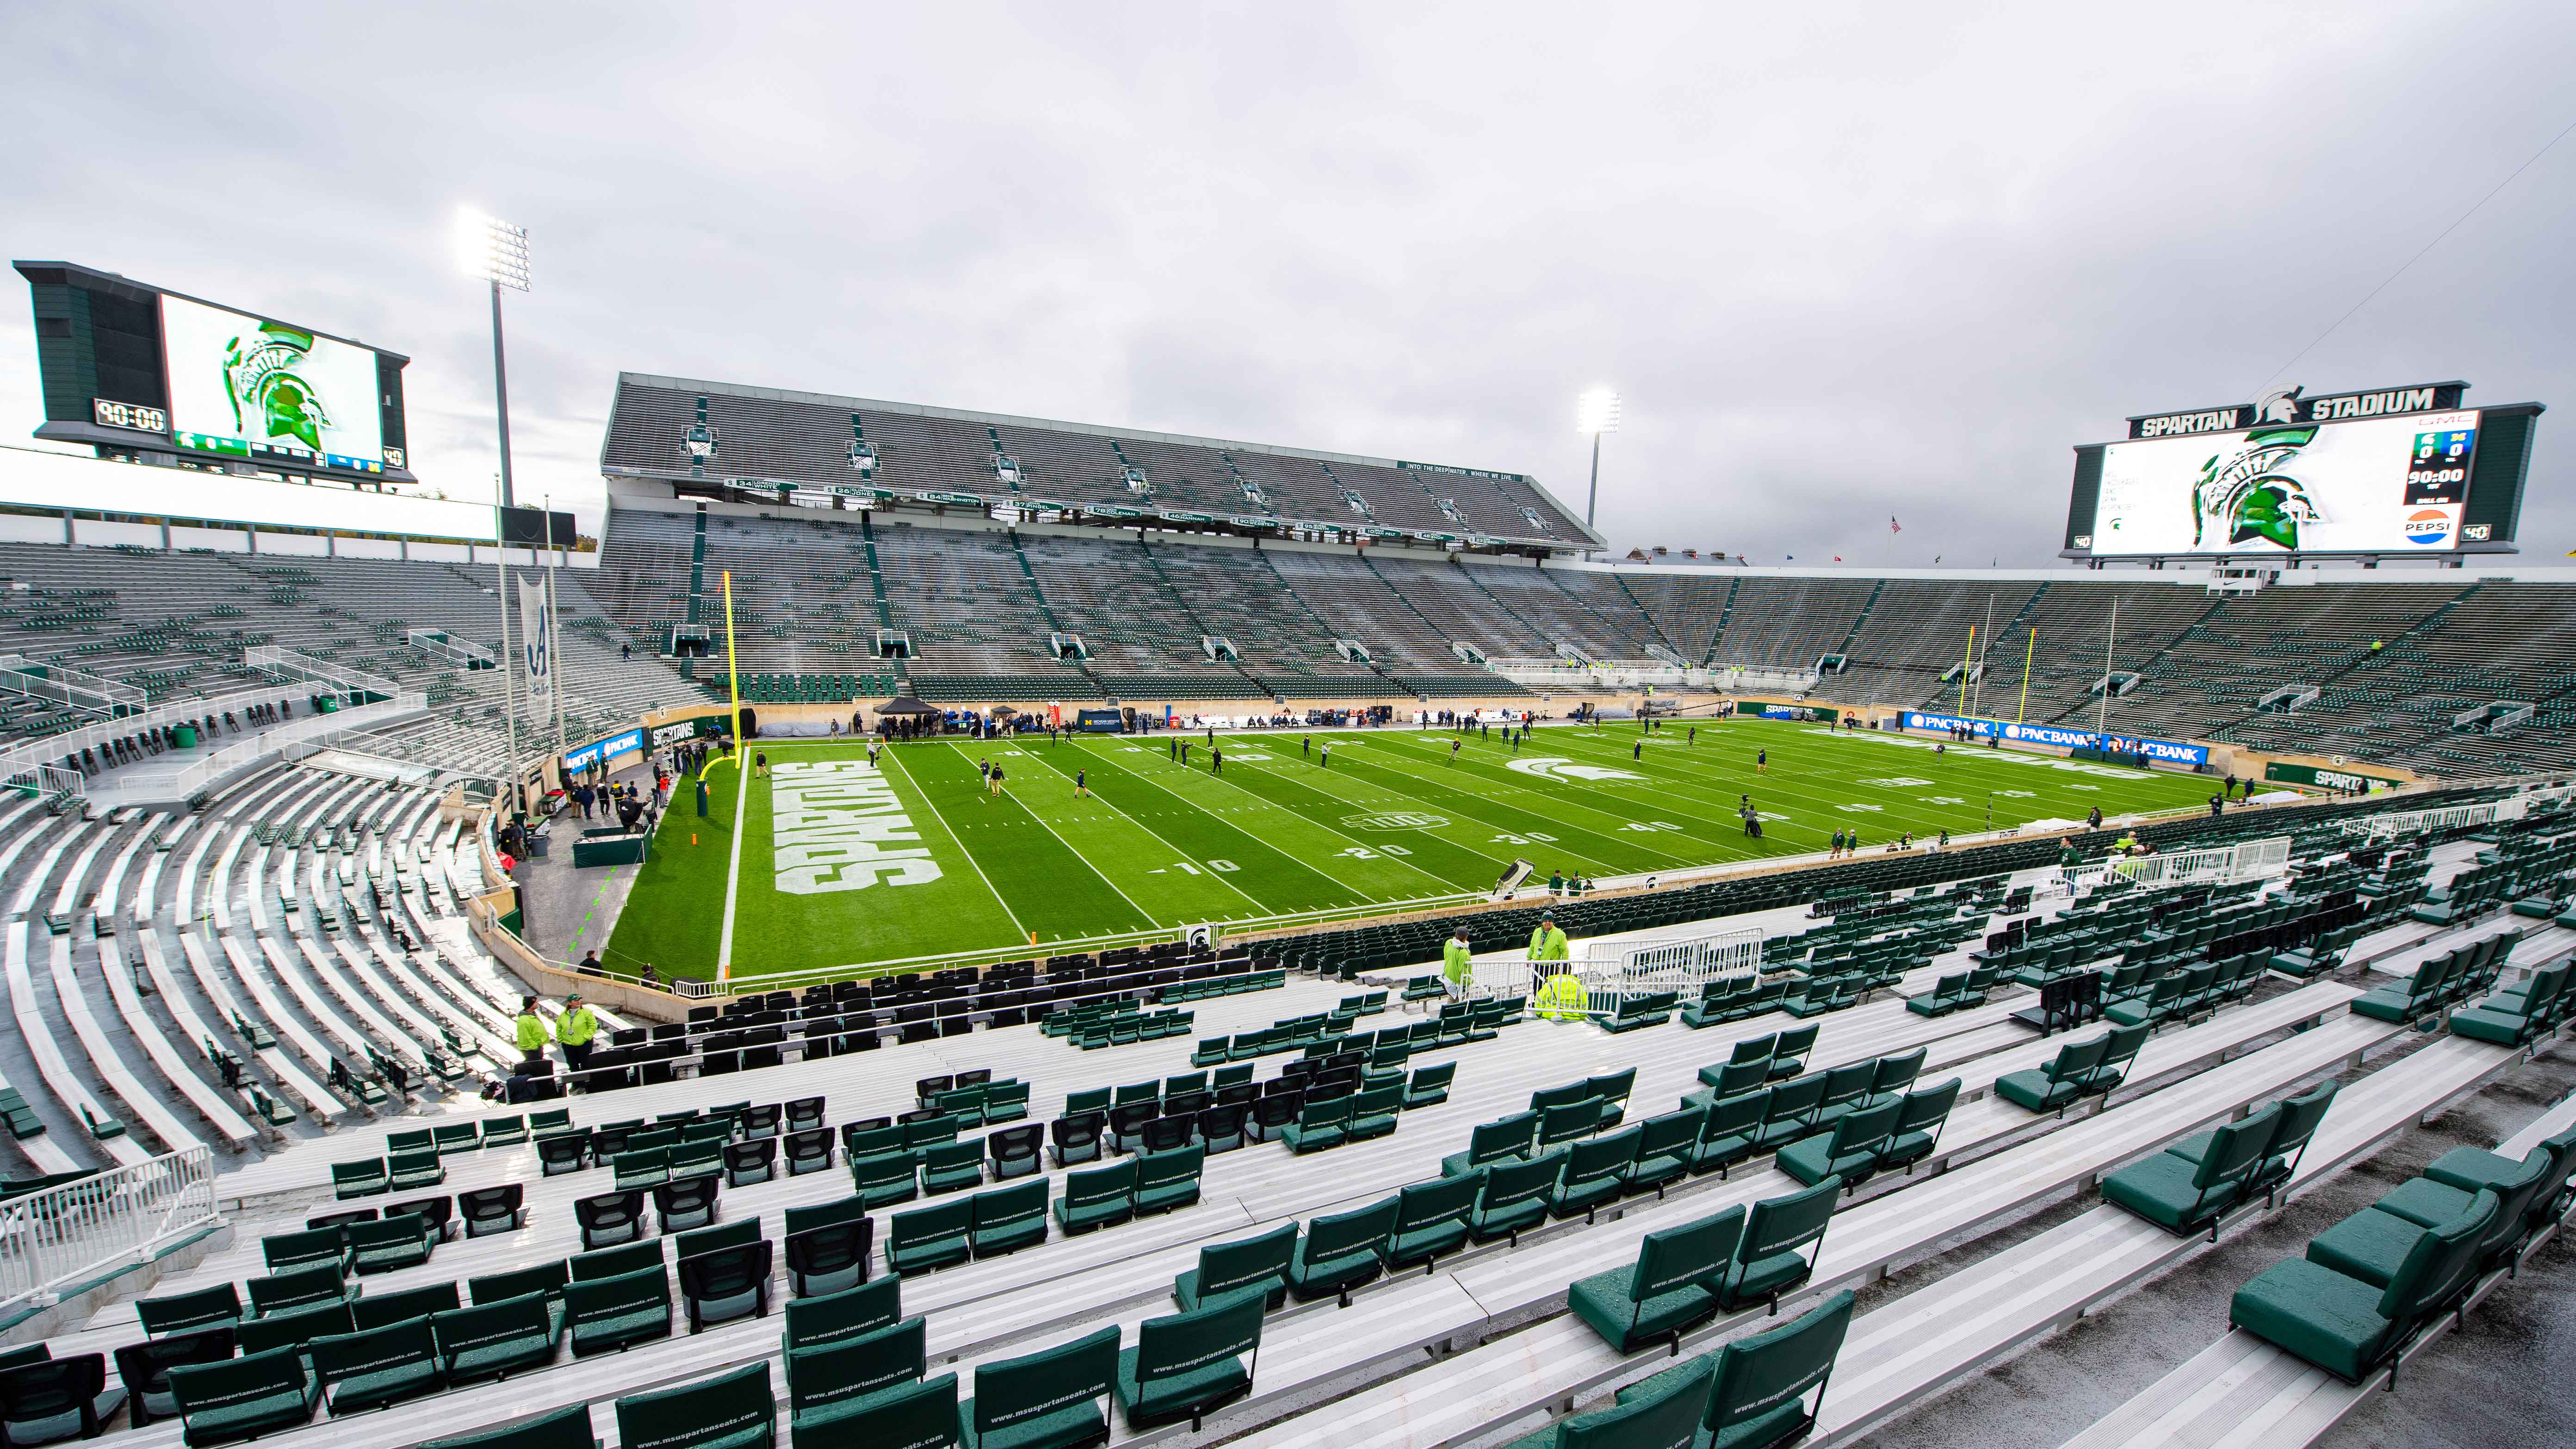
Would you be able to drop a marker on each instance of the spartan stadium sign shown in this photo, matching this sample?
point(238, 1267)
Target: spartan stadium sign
point(2287, 406)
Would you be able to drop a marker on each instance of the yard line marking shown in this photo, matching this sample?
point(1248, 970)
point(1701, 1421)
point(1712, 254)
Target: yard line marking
point(1393, 795)
point(1498, 796)
point(893, 757)
point(1309, 819)
point(1150, 917)
point(1217, 876)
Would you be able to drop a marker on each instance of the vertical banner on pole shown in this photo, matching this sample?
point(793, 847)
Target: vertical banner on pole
point(536, 633)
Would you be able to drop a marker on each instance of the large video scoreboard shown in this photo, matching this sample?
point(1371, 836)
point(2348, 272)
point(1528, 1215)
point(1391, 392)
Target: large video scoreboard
point(133, 368)
point(2393, 471)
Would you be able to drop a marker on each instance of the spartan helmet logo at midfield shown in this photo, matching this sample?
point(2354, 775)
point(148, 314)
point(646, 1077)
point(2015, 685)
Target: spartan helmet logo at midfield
point(2244, 496)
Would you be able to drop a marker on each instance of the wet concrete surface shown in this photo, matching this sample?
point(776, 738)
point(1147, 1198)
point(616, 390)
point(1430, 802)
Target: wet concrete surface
point(2500, 1384)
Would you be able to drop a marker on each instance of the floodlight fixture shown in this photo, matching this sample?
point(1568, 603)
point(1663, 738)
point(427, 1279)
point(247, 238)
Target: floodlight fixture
point(492, 250)
point(1597, 412)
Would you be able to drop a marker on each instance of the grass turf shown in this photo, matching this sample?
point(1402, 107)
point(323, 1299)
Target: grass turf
point(1105, 835)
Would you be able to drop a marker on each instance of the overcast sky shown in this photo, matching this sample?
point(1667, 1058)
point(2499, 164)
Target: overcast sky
point(1843, 263)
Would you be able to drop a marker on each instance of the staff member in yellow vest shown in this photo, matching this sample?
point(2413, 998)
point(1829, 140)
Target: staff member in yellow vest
point(1457, 965)
point(574, 1029)
point(532, 1033)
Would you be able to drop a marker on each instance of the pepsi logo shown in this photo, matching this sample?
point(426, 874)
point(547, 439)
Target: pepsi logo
point(2429, 526)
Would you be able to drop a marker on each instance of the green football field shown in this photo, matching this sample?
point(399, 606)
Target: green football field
point(843, 864)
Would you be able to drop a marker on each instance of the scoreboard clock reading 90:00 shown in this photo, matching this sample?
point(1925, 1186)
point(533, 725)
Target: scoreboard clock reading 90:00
point(129, 415)
point(141, 370)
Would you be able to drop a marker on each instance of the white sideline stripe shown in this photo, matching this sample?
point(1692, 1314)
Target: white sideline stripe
point(733, 866)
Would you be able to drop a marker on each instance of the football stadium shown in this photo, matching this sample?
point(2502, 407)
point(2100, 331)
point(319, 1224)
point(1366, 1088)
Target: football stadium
point(1243, 942)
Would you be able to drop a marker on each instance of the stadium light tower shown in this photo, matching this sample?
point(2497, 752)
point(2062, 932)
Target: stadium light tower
point(1596, 412)
point(497, 252)
point(492, 249)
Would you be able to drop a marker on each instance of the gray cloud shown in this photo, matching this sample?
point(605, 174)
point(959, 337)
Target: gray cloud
point(1843, 263)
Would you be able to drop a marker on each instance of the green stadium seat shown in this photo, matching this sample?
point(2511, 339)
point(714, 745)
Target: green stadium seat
point(1663, 1294)
point(496, 1339)
point(1776, 1253)
point(1341, 1251)
point(730, 1411)
point(1188, 1363)
point(1044, 1400)
point(374, 1368)
point(836, 1382)
point(608, 1314)
point(261, 1393)
point(1259, 1262)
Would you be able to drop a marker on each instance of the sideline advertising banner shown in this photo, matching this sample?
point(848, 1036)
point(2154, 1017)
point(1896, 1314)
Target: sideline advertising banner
point(2173, 752)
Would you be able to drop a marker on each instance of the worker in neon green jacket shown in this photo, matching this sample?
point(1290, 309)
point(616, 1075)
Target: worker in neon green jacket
point(1547, 943)
point(1560, 995)
point(532, 1033)
point(1457, 964)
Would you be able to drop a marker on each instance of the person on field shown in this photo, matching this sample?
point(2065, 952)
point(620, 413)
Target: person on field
point(530, 1030)
point(760, 763)
point(1762, 762)
point(1306, 746)
point(995, 783)
point(1453, 752)
point(574, 1029)
point(1216, 759)
point(1637, 751)
point(1324, 756)
point(1081, 785)
point(1457, 964)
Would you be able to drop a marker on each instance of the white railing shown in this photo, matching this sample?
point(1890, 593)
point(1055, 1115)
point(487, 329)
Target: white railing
point(186, 780)
point(1615, 673)
point(440, 644)
point(2245, 860)
point(61, 1236)
point(1738, 678)
point(62, 684)
point(2416, 822)
point(293, 664)
point(1612, 972)
point(21, 759)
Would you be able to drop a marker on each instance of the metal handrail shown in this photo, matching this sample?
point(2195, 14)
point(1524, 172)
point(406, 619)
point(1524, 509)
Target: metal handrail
point(276, 659)
point(187, 779)
point(80, 1231)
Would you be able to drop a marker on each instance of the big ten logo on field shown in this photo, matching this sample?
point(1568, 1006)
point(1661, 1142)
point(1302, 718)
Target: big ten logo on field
point(837, 825)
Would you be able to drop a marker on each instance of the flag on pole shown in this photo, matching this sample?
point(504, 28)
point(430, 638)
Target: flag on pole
point(1892, 525)
point(536, 637)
